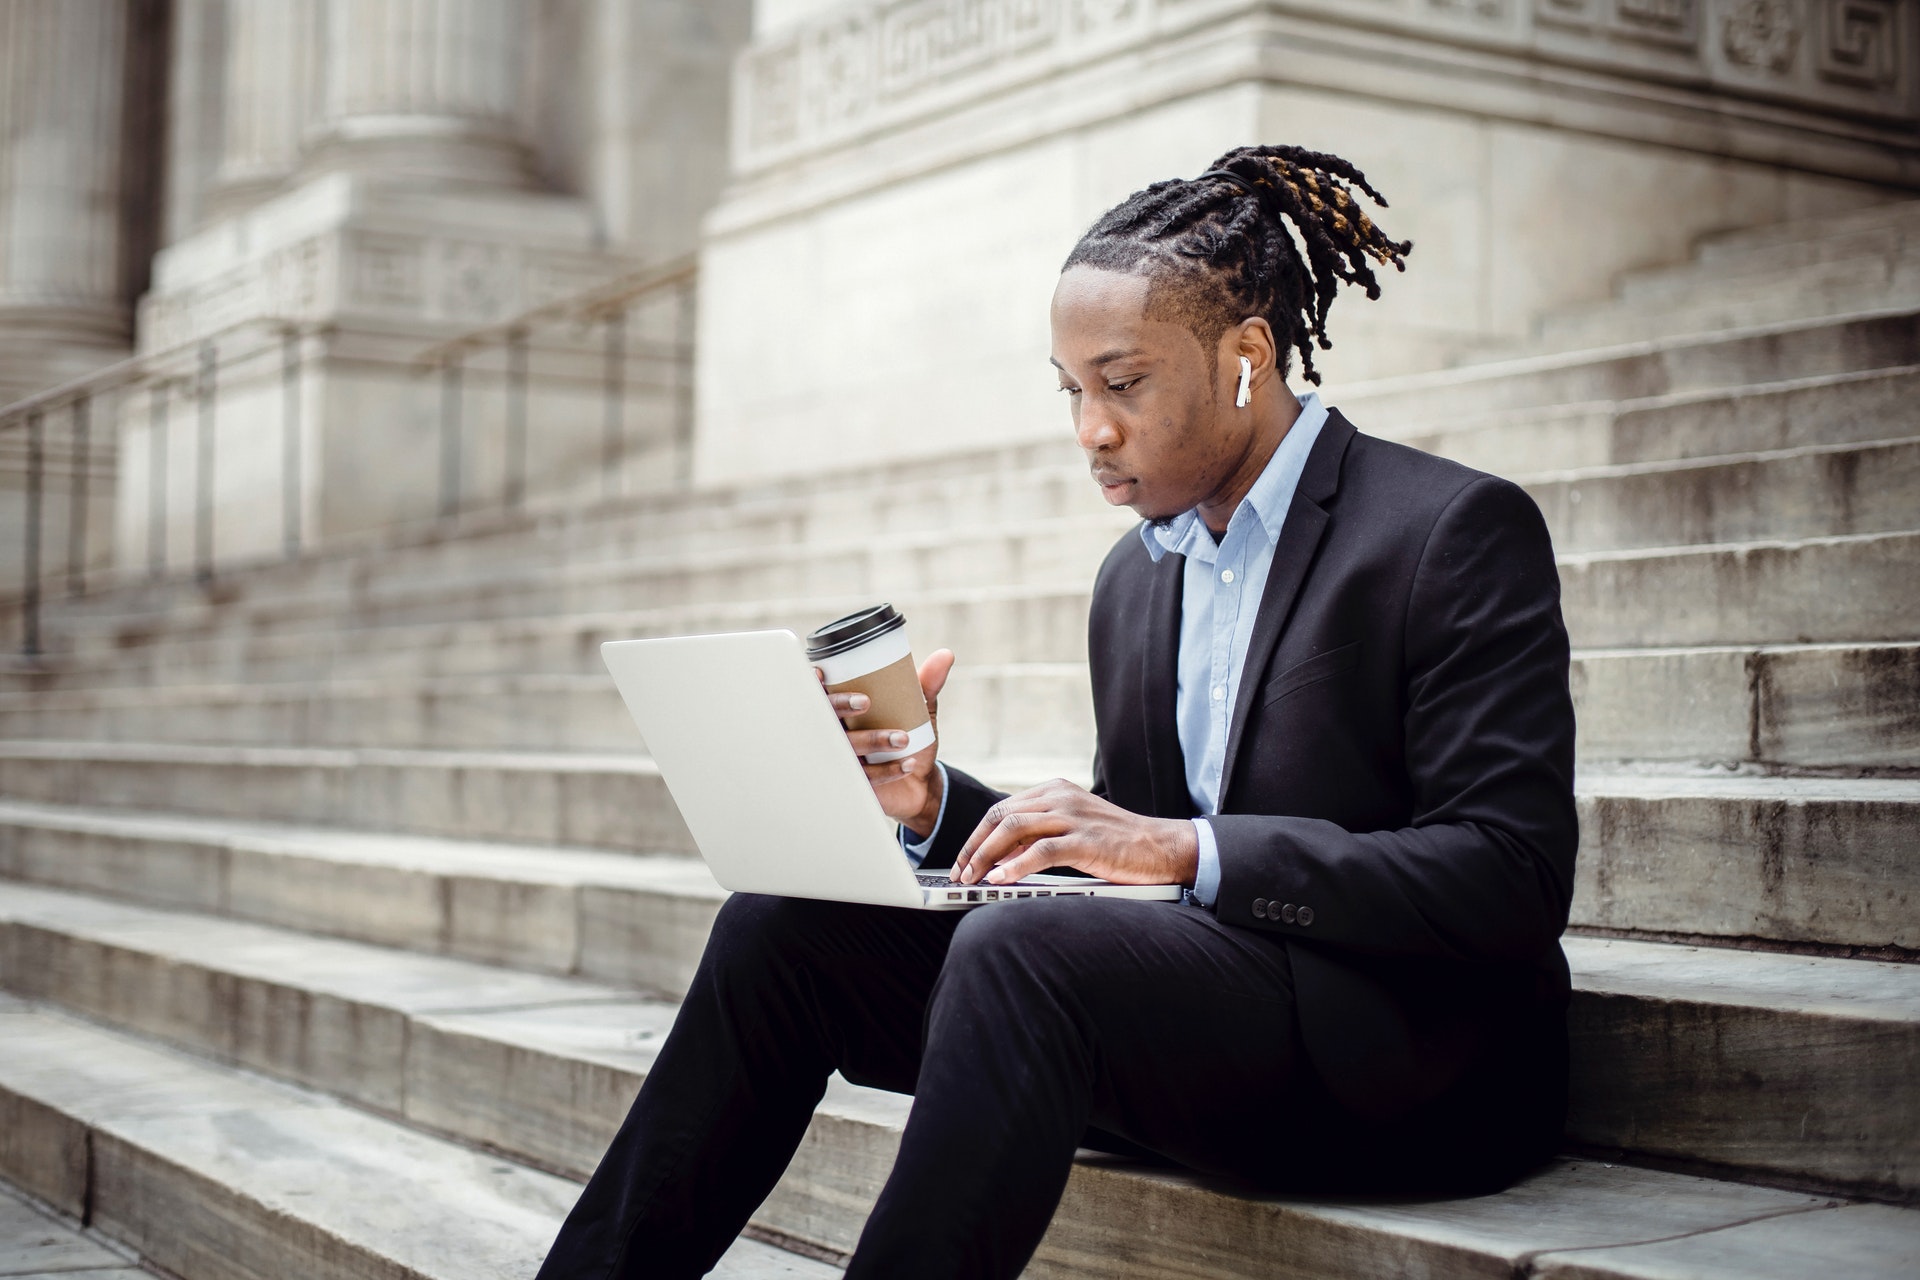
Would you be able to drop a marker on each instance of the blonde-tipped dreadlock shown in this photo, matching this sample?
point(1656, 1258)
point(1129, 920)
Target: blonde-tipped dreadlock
point(1220, 251)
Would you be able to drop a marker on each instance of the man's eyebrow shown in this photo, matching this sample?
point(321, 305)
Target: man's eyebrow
point(1104, 358)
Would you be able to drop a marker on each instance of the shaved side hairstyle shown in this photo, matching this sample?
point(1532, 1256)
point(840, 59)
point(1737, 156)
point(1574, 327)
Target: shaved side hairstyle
point(1271, 232)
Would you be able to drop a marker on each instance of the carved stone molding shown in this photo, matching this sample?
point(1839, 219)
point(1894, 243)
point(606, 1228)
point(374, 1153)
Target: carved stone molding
point(1763, 34)
point(1670, 24)
point(1860, 43)
point(872, 65)
point(430, 280)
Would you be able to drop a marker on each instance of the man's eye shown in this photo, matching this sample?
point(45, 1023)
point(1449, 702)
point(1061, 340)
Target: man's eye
point(1072, 391)
point(1128, 385)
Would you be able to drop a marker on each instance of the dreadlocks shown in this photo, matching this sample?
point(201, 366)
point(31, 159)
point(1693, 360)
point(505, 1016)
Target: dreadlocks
point(1218, 248)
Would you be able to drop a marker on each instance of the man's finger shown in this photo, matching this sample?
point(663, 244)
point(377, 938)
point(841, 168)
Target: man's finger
point(1010, 835)
point(849, 704)
point(894, 770)
point(1052, 851)
point(867, 742)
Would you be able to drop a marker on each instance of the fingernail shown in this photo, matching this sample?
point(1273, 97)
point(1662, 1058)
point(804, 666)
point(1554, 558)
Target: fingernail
point(996, 876)
point(897, 739)
point(859, 702)
point(906, 766)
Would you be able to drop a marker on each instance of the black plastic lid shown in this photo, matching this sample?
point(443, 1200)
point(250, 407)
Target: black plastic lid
point(853, 631)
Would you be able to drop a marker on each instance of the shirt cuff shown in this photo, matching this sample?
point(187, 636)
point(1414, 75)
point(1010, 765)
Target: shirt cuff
point(1206, 880)
point(917, 852)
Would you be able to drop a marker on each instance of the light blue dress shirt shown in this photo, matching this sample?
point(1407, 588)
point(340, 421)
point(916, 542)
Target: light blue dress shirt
point(1219, 601)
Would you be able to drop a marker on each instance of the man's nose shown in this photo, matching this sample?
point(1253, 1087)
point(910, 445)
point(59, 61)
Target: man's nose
point(1095, 429)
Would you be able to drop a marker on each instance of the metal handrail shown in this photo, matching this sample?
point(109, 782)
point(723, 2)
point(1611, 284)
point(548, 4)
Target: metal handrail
point(595, 303)
point(133, 368)
point(30, 414)
point(606, 304)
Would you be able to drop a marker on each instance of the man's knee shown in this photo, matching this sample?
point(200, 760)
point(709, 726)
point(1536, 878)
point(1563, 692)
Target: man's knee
point(1038, 943)
point(752, 930)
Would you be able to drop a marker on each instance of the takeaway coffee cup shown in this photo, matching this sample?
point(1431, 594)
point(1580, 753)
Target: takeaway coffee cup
point(867, 652)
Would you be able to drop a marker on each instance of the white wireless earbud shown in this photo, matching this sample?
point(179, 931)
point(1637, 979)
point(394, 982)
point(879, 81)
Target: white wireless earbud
point(1246, 381)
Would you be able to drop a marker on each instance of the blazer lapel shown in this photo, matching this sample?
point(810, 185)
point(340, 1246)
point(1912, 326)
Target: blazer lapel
point(1300, 535)
point(1166, 763)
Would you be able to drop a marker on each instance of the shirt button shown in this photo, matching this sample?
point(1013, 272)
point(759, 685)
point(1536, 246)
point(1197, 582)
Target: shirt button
point(1260, 908)
point(1226, 575)
point(1305, 916)
point(1287, 913)
point(1219, 693)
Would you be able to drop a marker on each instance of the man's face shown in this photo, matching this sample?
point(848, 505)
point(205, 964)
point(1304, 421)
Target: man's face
point(1152, 409)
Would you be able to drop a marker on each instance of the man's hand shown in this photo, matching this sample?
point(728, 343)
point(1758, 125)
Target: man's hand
point(909, 789)
point(1060, 824)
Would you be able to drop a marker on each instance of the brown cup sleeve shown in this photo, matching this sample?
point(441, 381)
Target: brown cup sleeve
point(898, 702)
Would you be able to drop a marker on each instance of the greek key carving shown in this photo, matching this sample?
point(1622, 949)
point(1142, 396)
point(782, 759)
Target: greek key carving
point(929, 41)
point(773, 90)
point(1762, 34)
point(867, 63)
point(1095, 15)
point(1860, 43)
point(1485, 10)
point(840, 86)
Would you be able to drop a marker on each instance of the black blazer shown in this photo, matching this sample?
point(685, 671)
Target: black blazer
point(1397, 797)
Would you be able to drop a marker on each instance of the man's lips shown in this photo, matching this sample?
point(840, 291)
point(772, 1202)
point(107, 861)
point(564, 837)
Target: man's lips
point(1112, 482)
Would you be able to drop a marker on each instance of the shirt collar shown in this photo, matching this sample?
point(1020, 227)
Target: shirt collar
point(1266, 503)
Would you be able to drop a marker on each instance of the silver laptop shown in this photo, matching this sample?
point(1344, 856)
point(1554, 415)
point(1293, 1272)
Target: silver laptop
point(769, 786)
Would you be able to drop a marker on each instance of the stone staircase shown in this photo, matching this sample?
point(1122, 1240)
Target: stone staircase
point(342, 910)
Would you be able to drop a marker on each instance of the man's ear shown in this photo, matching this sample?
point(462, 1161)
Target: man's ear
point(1253, 338)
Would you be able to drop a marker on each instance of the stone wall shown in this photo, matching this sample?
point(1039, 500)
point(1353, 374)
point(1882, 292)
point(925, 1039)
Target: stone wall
point(909, 174)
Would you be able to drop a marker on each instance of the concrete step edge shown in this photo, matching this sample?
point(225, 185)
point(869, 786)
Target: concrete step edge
point(1621, 1216)
point(207, 1170)
point(1552, 362)
point(394, 1003)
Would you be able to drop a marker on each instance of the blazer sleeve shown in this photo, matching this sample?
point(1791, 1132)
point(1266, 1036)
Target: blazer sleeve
point(967, 801)
point(1485, 870)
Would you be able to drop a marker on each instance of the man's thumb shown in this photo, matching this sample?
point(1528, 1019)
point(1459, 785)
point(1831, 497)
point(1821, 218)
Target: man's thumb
point(934, 672)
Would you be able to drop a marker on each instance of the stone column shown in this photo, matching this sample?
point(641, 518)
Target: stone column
point(425, 90)
point(271, 61)
point(63, 75)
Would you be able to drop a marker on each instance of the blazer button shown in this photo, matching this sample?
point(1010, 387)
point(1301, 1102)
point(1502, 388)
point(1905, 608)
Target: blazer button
point(1259, 908)
point(1305, 916)
point(1287, 913)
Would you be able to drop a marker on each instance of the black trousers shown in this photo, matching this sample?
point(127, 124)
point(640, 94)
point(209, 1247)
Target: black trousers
point(1024, 1030)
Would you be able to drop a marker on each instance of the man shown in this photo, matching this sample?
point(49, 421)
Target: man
point(1330, 690)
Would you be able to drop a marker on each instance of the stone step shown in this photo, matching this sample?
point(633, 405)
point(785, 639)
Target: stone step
point(1815, 590)
point(1806, 236)
point(258, 1172)
point(1799, 413)
point(1031, 709)
point(1810, 492)
point(1694, 301)
point(1790, 705)
point(1807, 492)
point(1822, 706)
point(1877, 404)
point(1826, 862)
point(632, 920)
point(1813, 861)
point(1662, 366)
point(37, 1243)
point(1018, 486)
point(521, 1065)
point(207, 1171)
point(1034, 622)
point(602, 801)
point(1819, 590)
